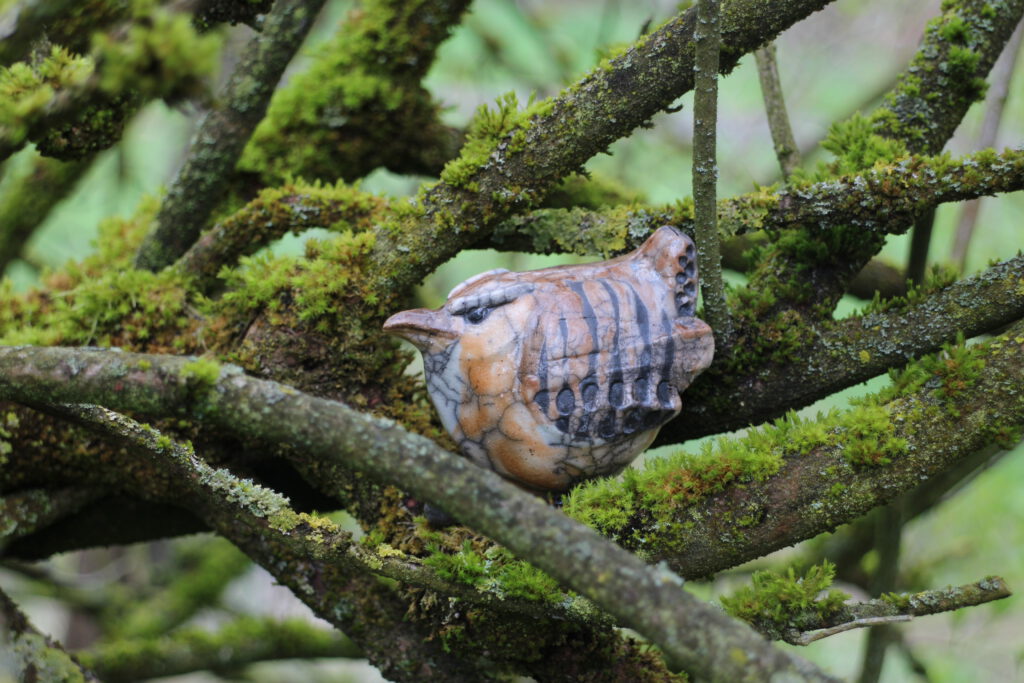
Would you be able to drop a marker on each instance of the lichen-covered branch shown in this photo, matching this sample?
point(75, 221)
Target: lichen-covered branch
point(706, 38)
point(242, 641)
point(224, 132)
point(801, 609)
point(892, 606)
point(1002, 75)
point(32, 655)
point(300, 551)
point(650, 600)
point(880, 200)
point(805, 275)
point(795, 479)
point(947, 74)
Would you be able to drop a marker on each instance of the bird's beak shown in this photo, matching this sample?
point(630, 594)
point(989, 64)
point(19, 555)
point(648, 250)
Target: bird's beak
point(426, 329)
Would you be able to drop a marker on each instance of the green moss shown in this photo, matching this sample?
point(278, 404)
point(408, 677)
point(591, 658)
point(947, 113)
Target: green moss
point(901, 601)
point(506, 123)
point(856, 146)
point(775, 603)
point(202, 371)
point(135, 310)
point(161, 55)
point(869, 437)
point(343, 114)
point(493, 569)
point(27, 90)
point(950, 372)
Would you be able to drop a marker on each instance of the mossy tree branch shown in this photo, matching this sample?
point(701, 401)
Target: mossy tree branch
point(803, 479)
point(1002, 75)
point(299, 550)
point(275, 212)
point(224, 133)
point(240, 642)
point(930, 97)
point(956, 53)
point(361, 104)
point(647, 599)
point(72, 104)
point(262, 523)
point(882, 610)
point(881, 200)
point(851, 351)
point(512, 171)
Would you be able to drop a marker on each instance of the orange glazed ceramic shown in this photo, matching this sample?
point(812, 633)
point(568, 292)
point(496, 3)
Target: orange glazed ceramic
point(557, 375)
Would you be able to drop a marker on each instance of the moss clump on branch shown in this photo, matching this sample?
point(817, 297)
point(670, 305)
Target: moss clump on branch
point(504, 125)
point(662, 491)
point(775, 603)
point(342, 115)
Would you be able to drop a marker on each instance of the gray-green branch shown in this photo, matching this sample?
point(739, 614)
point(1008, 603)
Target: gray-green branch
point(648, 599)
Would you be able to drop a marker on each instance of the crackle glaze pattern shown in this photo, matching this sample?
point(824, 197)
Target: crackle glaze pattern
point(553, 376)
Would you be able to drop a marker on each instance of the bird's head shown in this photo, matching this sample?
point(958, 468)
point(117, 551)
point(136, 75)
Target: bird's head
point(479, 312)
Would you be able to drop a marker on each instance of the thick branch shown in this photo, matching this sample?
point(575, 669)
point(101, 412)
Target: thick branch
point(651, 600)
point(224, 133)
point(851, 351)
point(882, 200)
point(808, 478)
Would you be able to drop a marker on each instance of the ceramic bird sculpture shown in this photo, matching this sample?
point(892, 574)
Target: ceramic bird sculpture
point(557, 375)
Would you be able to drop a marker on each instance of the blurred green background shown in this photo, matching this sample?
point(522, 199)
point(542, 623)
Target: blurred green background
point(838, 62)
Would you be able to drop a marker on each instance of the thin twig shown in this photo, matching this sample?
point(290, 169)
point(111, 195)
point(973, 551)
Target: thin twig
point(888, 533)
point(808, 638)
point(707, 42)
point(920, 242)
point(786, 149)
point(1002, 75)
point(224, 132)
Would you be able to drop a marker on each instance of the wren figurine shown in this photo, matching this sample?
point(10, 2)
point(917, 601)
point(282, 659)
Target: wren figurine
point(558, 375)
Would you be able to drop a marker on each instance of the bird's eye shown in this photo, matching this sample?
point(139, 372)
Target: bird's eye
point(477, 315)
